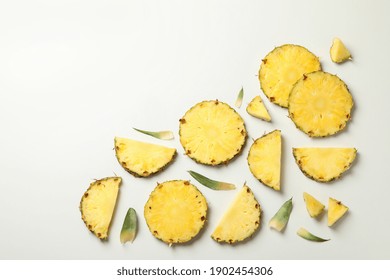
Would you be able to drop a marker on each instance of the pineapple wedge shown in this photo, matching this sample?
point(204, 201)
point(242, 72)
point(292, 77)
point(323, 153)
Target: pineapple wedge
point(175, 212)
point(98, 204)
point(339, 52)
point(324, 164)
point(142, 159)
point(320, 104)
point(336, 210)
point(241, 220)
point(257, 109)
point(313, 206)
point(264, 159)
point(282, 67)
point(212, 133)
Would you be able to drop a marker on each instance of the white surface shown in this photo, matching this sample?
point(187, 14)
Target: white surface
point(74, 74)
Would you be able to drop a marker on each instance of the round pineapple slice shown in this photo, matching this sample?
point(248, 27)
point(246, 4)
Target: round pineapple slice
point(282, 67)
point(212, 132)
point(175, 211)
point(320, 104)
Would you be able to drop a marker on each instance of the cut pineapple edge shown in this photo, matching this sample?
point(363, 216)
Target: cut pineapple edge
point(175, 212)
point(212, 133)
point(314, 207)
point(264, 159)
point(142, 159)
point(97, 205)
point(241, 220)
point(324, 164)
point(320, 104)
point(257, 109)
point(339, 52)
point(336, 210)
point(282, 67)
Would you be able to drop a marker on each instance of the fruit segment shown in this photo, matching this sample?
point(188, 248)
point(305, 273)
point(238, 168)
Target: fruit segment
point(212, 184)
point(302, 232)
point(241, 220)
point(313, 206)
point(280, 219)
point(98, 204)
point(324, 164)
point(257, 109)
point(129, 227)
point(338, 51)
point(336, 210)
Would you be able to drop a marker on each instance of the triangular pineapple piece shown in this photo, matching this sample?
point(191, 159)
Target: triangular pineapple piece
point(264, 159)
point(335, 211)
point(241, 220)
point(257, 109)
point(324, 164)
point(313, 206)
point(176, 211)
point(98, 204)
point(339, 52)
point(142, 159)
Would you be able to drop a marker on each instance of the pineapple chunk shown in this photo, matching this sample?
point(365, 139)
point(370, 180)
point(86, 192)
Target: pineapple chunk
point(335, 211)
point(338, 52)
point(320, 104)
point(324, 164)
point(175, 211)
point(241, 220)
point(264, 159)
point(98, 204)
point(257, 109)
point(212, 133)
point(282, 67)
point(142, 159)
point(313, 206)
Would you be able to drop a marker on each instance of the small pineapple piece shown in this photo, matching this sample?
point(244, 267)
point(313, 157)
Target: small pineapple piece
point(212, 133)
point(282, 67)
point(257, 109)
point(324, 164)
point(339, 52)
point(142, 159)
point(264, 159)
point(280, 219)
point(175, 212)
point(335, 211)
point(98, 204)
point(241, 220)
point(320, 104)
point(313, 206)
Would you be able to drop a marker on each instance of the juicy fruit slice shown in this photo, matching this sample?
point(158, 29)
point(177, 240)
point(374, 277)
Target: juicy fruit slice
point(313, 206)
point(212, 184)
point(129, 227)
point(304, 233)
point(282, 67)
point(175, 211)
point(336, 210)
point(280, 219)
point(338, 51)
point(212, 133)
point(142, 159)
point(264, 159)
point(320, 104)
point(98, 204)
point(257, 109)
point(241, 220)
point(324, 164)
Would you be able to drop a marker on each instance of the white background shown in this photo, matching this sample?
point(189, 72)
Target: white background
point(75, 74)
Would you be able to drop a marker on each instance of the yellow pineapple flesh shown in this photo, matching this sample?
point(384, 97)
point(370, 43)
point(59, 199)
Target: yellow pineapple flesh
point(282, 67)
point(339, 52)
point(241, 220)
point(212, 133)
point(336, 210)
point(257, 109)
point(313, 206)
point(142, 159)
point(175, 212)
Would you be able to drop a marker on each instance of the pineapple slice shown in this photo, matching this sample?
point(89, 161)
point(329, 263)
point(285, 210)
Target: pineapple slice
point(175, 211)
point(142, 159)
point(313, 206)
point(335, 211)
point(98, 204)
point(212, 133)
point(320, 104)
point(264, 159)
point(257, 109)
point(241, 220)
point(338, 52)
point(282, 67)
point(324, 164)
